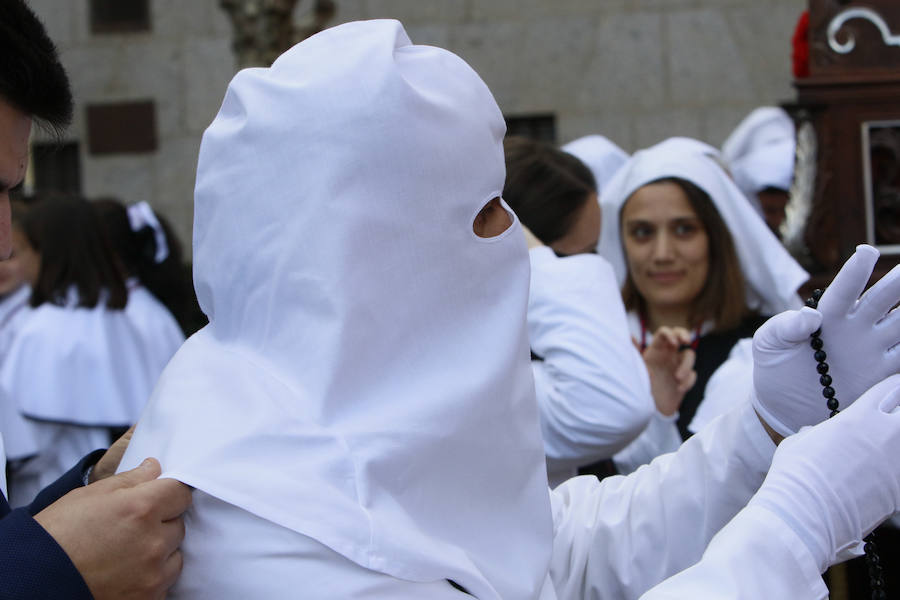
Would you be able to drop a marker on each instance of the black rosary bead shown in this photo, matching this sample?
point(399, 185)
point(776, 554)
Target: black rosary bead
point(833, 413)
point(833, 404)
point(816, 333)
point(817, 294)
point(816, 343)
point(825, 380)
point(820, 355)
point(811, 303)
point(822, 368)
point(828, 391)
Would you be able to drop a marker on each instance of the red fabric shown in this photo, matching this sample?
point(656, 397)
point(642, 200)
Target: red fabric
point(800, 43)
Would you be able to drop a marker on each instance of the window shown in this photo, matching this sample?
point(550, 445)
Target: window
point(120, 16)
point(122, 127)
point(536, 127)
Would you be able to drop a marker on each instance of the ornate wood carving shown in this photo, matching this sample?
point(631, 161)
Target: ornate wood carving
point(854, 78)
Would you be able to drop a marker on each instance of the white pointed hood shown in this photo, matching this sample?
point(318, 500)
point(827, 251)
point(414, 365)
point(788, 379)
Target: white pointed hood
point(760, 151)
point(364, 378)
point(770, 272)
point(601, 156)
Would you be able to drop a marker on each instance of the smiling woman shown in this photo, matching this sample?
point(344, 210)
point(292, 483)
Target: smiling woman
point(682, 266)
point(690, 251)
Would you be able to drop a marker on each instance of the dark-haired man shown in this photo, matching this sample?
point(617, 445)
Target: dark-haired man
point(117, 537)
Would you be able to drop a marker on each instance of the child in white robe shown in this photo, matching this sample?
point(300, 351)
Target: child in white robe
point(78, 367)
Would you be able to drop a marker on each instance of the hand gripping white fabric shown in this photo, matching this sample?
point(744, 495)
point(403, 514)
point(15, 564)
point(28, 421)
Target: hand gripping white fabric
point(859, 338)
point(832, 484)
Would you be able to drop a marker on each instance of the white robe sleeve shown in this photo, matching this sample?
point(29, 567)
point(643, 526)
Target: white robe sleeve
point(592, 386)
point(620, 537)
point(754, 556)
point(661, 436)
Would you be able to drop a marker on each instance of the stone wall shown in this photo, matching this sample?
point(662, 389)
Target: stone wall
point(634, 70)
point(183, 64)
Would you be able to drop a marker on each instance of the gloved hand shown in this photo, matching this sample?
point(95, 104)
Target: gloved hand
point(833, 483)
point(858, 340)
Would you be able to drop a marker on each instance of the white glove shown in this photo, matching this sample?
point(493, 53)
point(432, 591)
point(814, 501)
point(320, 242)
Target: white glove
point(858, 342)
point(832, 484)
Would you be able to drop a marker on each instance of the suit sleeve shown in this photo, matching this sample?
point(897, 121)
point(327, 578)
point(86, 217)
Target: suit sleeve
point(754, 556)
point(33, 565)
point(73, 478)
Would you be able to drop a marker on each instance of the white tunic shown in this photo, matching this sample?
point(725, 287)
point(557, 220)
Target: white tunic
point(158, 332)
point(13, 309)
point(612, 539)
point(592, 386)
point(71, 374)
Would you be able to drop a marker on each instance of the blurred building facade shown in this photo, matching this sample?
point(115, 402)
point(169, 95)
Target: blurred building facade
point(149, 76)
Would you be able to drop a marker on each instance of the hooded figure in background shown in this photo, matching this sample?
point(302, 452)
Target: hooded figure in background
point(759, 153)
point(601, 155)
point(358, 419)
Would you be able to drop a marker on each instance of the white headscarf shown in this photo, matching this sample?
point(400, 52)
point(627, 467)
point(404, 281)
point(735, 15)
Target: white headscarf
point(760, 151)
point(601, 156)
point(365, 378)
point(771, 274)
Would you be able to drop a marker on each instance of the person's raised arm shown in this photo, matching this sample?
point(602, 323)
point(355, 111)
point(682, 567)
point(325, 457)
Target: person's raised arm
point(828, 487)
point(627, 534)
point(591, 384)
point(857, 344)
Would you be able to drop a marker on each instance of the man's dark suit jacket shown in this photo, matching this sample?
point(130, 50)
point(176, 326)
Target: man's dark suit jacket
point(32, 565)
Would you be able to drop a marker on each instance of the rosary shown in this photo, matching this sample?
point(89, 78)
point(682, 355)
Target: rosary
point(876, 579)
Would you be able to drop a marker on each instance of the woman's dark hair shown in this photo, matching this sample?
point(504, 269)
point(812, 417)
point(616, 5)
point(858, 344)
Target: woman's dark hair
point(545, 186)
point(31, 77)
point(169, 280)
point(722, 298)
point(74, 253)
